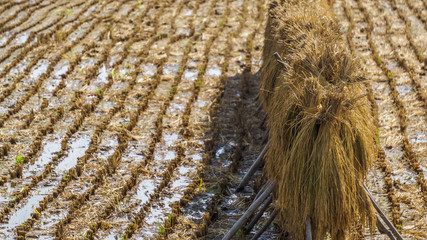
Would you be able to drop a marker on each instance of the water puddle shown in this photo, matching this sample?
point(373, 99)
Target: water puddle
point(196, 212)
point(215, 71)
point(416, 25)
point(380, 87)
point(61, 69)
point(77, 149)
point(3, 40)
point(157, 216)
point(119, 85)
point(404, 89)
point(404, 178)
point(149, 69)
point(181, 183)
point(224, 152)
point(162, 155)
point(171, 69)
point(103, 74)
point(49, 149)
point(190, 75)
point(73, 84)
point(424, 170)
point(197, 157)
point(392, 65)
point(107, 147)
point(51, 85)
point(3, 110)
point(22, 37)
point(176, 108)
point(192, 64)
point(6, 194)
point(237, 3)
point(159, 211)
point(220, 151)
point(40, 69)
point(418, 138)
point(170, 139)
point(201, 103)
point(24, 212)
point(145, 189)
point(187, 12)
point(44, 188)
point(183, 31)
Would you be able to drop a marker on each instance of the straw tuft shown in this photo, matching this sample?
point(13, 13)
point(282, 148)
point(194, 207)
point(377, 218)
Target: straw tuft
point(321, 132)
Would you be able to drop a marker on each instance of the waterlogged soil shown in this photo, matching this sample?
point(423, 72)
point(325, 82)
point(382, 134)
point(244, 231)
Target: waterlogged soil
point(138, 119)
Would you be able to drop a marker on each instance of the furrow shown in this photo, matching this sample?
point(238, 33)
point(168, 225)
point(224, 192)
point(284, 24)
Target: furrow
point(129, 181)
point(381, 161)
point(40, 41)
point(60, 24)
point(246, 146)
point(385, 64)
point(114, 155)
point(15, 14)
point(74, 170)
point(412, 65)
point(418, 7)
point(412, 38)
point(18, 36)
point(32, 12)
point(166, 132)
point(36, 145)
point(8, 5)
point(182, 171)
point(209, 218)
point(85, 111)
point(194, 157)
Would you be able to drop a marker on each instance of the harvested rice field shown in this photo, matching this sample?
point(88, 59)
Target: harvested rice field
point(136, 119)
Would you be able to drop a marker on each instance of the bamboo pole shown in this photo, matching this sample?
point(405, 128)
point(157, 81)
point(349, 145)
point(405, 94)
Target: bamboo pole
point(244, 218)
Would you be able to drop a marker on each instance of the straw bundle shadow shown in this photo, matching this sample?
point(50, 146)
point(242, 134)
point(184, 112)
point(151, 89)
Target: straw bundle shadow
point(321, 133)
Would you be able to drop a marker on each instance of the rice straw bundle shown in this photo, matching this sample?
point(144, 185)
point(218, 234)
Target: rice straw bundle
point(321, 133)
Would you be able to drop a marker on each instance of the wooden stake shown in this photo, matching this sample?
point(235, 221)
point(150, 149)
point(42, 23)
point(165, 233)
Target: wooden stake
point(308, 228)
point(384, 230)
point(252, 170)
point(258, 215)
point(384, 218)
point(244, 218)
point(266, 225)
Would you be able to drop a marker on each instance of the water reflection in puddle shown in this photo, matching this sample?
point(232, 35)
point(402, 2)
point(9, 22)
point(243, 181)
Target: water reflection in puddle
point(404, 89)
point(145, 189)
point(170, 139)
point(418, 138)
point(42, 67)
point(77, 149)
point(213, 72)
point(149, 69)
point(103, 74)
point(21, 38)
point(190, 75)
point(167, 155)
point(62, 69)
point(176, 108)
point(49, 148)
point(171, 69)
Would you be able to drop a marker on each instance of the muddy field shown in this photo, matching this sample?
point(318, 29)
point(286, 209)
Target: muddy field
point(136, 119)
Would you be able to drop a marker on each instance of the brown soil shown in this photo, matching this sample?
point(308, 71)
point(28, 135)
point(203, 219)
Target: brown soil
point(139, 118)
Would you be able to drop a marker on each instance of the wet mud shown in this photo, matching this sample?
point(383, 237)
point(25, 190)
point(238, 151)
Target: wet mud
point(137, 119)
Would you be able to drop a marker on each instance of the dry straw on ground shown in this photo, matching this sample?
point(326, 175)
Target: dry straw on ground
point(321, 132)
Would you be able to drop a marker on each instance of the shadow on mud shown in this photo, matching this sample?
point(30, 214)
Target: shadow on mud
point(238, 137)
